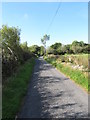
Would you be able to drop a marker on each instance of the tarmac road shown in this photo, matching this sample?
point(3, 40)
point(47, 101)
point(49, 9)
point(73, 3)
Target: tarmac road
point(52, 95)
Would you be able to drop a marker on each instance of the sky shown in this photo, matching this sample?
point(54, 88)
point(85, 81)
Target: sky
point(35, 18)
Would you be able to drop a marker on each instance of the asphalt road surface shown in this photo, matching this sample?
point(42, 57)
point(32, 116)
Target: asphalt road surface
point(52, 95)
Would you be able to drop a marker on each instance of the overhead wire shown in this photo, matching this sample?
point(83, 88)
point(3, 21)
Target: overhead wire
point(54, 16)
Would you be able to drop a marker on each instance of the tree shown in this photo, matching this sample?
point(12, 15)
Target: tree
point(67, 49)
point(50, 50)
point(56, 45)
point(81, 43)
point(41, 50)
point(35, 49)
point(11, 50)
point(56, 48)
point(24, 46)
point(43, 40)
point(26, 52)
point(77, 47)
point(75, 43)
point(13, 54)
point(10, 41)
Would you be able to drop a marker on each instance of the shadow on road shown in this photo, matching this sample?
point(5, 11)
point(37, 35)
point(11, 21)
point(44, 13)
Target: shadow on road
point(39, 99)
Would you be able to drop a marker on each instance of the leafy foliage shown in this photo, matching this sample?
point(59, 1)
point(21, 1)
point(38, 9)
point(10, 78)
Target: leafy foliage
point(74, 48)
point(43, 40)
point(15, 89)
point(13, 54)
point(37, 50)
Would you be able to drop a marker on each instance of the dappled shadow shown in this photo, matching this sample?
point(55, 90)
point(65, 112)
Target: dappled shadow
point(44, 102)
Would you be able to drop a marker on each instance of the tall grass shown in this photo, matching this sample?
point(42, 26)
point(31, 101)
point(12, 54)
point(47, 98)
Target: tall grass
point(75, 75)
point(79, 59)
point(15, 88)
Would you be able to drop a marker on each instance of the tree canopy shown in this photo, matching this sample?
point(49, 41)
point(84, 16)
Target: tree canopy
point(43, 40)
point(74, 48)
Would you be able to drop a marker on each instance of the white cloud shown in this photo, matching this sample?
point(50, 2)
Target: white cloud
point(26, 16)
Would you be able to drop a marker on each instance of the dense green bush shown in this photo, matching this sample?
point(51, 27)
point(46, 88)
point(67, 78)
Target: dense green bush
point(74, 48)
point(12, 53)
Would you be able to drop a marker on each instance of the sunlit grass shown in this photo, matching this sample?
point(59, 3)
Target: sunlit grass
point(15, 89)
point(75, 75)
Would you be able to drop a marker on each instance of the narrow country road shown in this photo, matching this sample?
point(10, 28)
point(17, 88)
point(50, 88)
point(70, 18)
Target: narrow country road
point(52, 95)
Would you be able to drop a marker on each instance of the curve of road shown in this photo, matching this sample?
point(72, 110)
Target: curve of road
point(52, 95)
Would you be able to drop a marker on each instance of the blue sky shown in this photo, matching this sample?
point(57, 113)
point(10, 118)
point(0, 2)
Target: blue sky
point(70, 23)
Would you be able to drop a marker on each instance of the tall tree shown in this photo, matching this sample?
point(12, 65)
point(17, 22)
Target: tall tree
point(11, 51)
point(43, 40)
point(10, 40)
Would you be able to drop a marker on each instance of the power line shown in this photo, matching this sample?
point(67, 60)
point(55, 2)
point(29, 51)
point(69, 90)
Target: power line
point(54, 16)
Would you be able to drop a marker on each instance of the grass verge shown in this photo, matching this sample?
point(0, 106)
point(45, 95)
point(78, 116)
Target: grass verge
point(75, 75)
point(15, 89)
